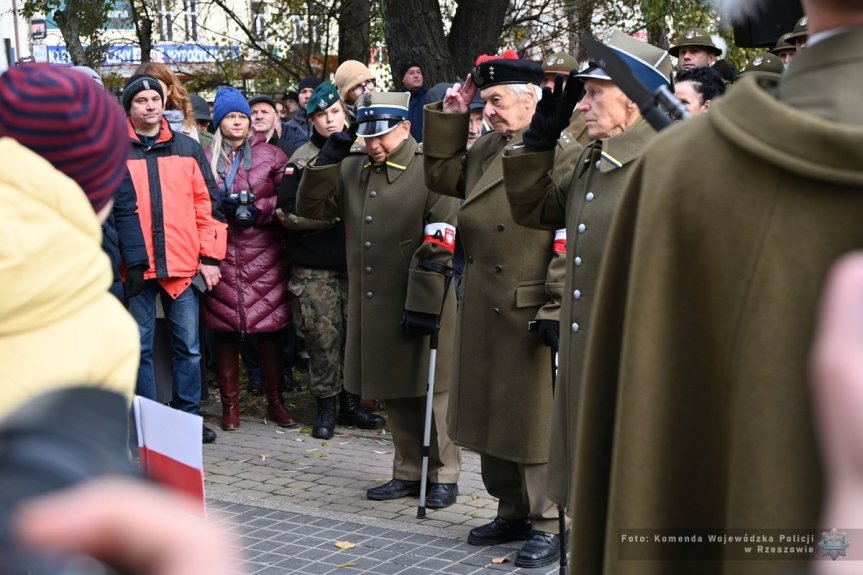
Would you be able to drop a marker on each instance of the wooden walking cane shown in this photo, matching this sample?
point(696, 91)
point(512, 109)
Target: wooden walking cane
point(446, 271)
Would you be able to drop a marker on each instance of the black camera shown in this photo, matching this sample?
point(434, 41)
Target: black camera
point(243, 217)
point(55, 441)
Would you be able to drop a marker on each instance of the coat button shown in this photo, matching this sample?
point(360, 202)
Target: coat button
point(501, 227)
point(498, 268)
point(577, 261)
point(367, 245)
point(496, 310)
point(373, 194)
point(369, 295)
point(369, 219)
point(589, 197)
point(574, 327)
point(581, 228)
point(470, 259)
point(368, 269)
point(576, 294)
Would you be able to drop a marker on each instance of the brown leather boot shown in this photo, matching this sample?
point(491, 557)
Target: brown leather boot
point(270, 350)
point(228, 376)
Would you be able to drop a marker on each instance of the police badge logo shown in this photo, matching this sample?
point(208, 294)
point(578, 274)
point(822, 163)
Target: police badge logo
point(833, 544)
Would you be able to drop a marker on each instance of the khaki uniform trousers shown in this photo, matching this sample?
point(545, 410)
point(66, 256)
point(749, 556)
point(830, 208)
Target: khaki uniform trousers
point(521, 492)
point(406, 420)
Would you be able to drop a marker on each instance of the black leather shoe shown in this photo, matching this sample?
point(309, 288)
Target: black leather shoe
point(500, 531)
point(209, 435)
point(441, 495)
point(395, 489)
point(541, 549)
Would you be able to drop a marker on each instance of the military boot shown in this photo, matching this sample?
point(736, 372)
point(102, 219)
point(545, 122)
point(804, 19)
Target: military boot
point(325, 424)
point(350, 413)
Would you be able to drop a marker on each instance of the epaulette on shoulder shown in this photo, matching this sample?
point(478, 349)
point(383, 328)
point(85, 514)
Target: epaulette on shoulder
point(419, 149)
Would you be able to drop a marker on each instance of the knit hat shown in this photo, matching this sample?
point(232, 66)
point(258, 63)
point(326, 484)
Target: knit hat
point(139, 83)
point(291, 95)
point(93, 74)
point(322, 98)
point(380, 112)
point(200, 107)
point(349, 75)
point(407, 66)
point(696, 38)
point(309, 82)
point(651, 65)
point(560, 63)
point(507, 70)
point(229, 99)
point(65, 117)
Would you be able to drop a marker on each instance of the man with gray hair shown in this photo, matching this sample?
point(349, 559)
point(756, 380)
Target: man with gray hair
point(694, 409)
point(500, 403)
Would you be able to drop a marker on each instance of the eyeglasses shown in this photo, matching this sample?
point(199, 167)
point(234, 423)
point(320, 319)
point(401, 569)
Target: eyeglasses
point(366, 86)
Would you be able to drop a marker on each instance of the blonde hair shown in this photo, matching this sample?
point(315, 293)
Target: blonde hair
point(178, 98)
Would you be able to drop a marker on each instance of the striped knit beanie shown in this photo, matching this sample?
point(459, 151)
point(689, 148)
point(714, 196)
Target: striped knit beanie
point(65, 117)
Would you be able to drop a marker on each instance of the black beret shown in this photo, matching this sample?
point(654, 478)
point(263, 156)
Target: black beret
point(507, 71)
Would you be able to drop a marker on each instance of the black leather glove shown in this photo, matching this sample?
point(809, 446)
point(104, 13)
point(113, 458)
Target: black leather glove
point(418, 323)
point(229, 205)
point(548, 331)
point(338, 147)
point(553, 112)
point(134, 283)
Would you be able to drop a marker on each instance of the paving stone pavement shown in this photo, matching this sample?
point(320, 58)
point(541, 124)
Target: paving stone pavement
point(291, 498)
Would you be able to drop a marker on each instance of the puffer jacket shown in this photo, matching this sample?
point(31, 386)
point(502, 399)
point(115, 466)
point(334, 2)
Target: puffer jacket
point(252, 296)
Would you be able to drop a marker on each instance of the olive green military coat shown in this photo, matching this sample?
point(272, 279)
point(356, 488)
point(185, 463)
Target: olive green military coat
point(695, 410)
point(584, 203)
point(500, 398)
point(385, 210)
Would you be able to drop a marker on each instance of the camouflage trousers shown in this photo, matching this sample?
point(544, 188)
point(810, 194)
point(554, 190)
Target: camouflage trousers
point(320, 316)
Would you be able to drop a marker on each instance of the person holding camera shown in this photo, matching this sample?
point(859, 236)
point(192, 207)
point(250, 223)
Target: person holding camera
point(252, 297)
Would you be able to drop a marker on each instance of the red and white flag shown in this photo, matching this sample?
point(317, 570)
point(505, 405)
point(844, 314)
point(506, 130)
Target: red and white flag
point(169, 442)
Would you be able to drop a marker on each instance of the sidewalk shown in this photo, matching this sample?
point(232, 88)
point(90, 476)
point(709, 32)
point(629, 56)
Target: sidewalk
point(292, 498)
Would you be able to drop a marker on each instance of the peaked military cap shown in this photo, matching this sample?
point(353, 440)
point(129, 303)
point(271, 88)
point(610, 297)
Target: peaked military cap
point(651, 65)
point(322, 97)
point(506, 71)
point(764, 64)
point(696, 38)
point(801, 29)
point(380, 112)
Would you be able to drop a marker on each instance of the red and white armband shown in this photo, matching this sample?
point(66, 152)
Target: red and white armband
point(560, 241)
point(440, 234)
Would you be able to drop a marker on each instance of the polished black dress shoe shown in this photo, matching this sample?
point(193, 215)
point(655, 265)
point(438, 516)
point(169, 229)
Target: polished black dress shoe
point(441, 495)
point(500, 531)
point(395, 489)
point(541, 549)
point(209, 436)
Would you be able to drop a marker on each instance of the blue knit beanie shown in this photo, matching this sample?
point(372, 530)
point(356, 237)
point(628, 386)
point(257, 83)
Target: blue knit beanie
point(229, 100)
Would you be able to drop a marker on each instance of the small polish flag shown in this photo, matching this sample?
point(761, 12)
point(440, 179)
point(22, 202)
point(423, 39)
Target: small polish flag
point(169, 442)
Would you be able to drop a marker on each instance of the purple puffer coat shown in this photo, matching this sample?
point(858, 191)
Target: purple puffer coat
point(252, 296)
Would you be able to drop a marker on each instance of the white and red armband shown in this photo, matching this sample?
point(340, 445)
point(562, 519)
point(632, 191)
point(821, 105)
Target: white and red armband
point(560, 241)
point(440, 234)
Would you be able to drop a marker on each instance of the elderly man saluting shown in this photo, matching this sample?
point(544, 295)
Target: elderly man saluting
point(500, 403)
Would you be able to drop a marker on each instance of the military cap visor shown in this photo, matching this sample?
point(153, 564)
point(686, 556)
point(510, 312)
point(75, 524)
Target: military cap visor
point(378, 119)
point(650, 77)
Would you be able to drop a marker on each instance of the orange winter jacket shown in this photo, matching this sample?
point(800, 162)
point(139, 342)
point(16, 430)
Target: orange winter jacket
point(178, 206)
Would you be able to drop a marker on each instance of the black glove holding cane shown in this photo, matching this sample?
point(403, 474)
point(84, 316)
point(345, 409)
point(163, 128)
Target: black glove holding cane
point(548, 331)
point(553, 113)
point(338, 147)
point(418, 323)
